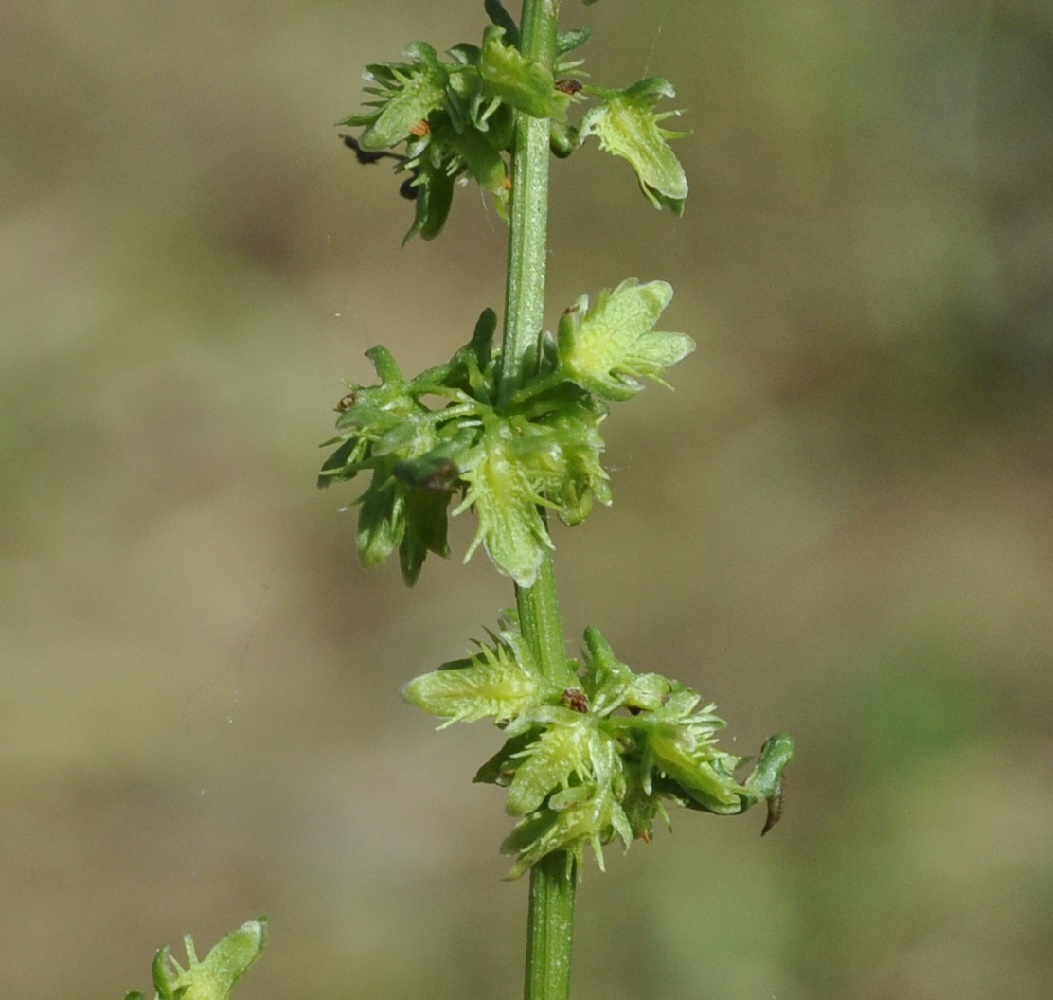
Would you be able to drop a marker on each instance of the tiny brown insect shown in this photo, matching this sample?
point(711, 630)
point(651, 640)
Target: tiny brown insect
point(569, 87)
point(346, 403)
point(575, 699)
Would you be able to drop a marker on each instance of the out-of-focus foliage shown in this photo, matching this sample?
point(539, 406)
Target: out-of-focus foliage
point(852, 543)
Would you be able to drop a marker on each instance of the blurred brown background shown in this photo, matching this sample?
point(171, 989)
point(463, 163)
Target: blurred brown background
point(838, 525)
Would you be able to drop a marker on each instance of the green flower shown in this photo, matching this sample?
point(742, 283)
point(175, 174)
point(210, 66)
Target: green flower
point(455, 116)
point(407, 93)
point(524, 84)
point(501, 682)
point(608, 348)
point(503, 487)
point(213, 978)
point(626, 125)
point(411, 450)
point(541, 451)
point(598, 760)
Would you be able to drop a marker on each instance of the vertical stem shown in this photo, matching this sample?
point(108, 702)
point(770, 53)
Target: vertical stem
point(527, 242)
point(551, 928)
point(528, 217)
point(553, 880)
point(539, 620)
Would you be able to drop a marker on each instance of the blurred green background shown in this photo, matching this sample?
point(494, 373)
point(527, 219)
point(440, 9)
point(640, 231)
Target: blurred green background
point(838, 525)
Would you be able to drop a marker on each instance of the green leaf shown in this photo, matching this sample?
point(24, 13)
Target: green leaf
point(607, 680)
point(581, 821)
point(344, 463)
point(501, 767)
point(607, 349)
point(765, 781)
point(382, 518)
point(483, 161)
point(566, 455)
point(426, 524)
point(434, 185)
point(697, 770)
point(626, 126)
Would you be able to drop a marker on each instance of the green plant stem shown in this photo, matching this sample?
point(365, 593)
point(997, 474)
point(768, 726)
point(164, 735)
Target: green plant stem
point(550, 931)
point(553, 880)
point(539, 621)
point(528, 217)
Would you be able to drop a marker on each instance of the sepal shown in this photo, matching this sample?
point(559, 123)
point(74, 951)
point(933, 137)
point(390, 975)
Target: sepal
point(408, 93)
point(504, 493)
point(501, 681)
point(607, 348)
point(521, 83)
point(626, 125)
point(215, 976)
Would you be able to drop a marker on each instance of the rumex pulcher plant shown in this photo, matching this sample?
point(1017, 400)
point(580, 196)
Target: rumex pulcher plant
point(593, 751)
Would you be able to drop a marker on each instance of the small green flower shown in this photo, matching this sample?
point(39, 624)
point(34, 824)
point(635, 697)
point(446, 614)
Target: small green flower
point(501, 682)
point(608, 348)
point(213, 978)
point(523, 84)
point(503, 489)
point(407, 93)
point(455, 116)
point(626, 125)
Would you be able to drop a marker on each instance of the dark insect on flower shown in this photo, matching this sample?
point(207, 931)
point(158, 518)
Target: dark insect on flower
point(569, 87)
point(575, 699)
point(363, 156)
point(346, 403)
point(408, 190)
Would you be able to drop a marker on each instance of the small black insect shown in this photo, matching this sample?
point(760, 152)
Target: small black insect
point(408, 190)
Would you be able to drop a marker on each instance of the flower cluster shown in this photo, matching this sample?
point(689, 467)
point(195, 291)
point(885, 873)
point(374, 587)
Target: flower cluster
point(453, 118)
point(598, 759)
point(442, 433)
